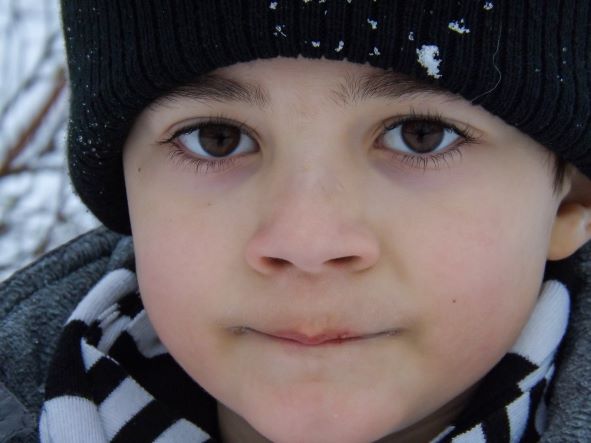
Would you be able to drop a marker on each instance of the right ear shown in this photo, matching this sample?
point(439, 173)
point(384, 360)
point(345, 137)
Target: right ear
point(572, 226)
point(571, 230)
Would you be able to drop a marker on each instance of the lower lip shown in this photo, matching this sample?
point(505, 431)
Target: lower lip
point(295, 339)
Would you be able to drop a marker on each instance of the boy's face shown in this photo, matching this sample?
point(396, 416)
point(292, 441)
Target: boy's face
point(319, 228)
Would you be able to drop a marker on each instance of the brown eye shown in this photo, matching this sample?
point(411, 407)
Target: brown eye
point(217, 140)
point(419, 137)
point(422, 137)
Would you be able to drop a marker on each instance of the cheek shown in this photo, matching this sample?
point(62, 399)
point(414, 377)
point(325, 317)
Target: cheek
point(182, 261)
point(478, 262)
point(186, 244)
point(183, 239)
point(184, 250)
point(179, 275)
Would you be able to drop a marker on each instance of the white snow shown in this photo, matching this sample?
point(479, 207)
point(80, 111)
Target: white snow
point(38, 209)
point(279, 30)
point(428, 59)
point(458, 26)
point(488, 6)
point(375, 51)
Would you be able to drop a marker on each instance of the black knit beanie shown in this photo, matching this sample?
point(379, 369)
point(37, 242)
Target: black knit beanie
point(526, 61)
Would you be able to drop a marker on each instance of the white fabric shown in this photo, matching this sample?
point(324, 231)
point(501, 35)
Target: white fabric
point(71, 420)
point(122, 405)
point(181, 432)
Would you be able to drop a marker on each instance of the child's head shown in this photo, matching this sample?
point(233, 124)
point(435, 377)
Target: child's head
point(331, 248)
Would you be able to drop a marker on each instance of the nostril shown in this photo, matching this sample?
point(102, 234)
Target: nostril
point(341, 261)
point(336, 250)
point(275, 262)
point(278, 263)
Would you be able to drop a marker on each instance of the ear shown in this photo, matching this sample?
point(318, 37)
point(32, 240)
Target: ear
point(572, 226)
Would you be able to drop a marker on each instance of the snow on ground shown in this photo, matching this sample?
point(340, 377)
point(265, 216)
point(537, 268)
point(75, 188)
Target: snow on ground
point(38, 210)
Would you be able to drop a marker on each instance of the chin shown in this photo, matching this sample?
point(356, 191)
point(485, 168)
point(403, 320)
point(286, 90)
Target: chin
point(316, 422)
point(329, 433)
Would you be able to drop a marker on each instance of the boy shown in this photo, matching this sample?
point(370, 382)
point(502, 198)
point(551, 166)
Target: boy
point(344, 216)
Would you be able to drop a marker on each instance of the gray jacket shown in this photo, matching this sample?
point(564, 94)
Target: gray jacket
point(35, 302)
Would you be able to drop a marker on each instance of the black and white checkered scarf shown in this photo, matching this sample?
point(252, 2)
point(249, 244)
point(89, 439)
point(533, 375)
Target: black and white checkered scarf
point(112, 380)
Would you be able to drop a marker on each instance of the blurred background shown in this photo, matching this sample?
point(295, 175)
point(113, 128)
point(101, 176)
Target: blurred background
point(38, 209)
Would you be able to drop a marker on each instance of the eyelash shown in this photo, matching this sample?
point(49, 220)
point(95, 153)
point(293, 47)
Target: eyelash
point(418, 161)
point(179, 155)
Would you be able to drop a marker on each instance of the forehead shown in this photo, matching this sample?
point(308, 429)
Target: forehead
point(256, 83)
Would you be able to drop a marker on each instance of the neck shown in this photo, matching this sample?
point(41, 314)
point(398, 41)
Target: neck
point(234, 429)
point(428, 428)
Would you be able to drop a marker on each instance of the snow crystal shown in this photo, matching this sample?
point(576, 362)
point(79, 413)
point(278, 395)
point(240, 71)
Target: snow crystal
point(375, 51)
point(458, 27)
point(373, 23)
point(273, 5)
point(279, 30)
point(488, 6)
point(315, 43)
point(340, 47)
point(411, 36)
point(428, 59)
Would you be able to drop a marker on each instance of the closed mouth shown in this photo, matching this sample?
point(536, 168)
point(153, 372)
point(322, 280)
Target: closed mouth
point(328, 338)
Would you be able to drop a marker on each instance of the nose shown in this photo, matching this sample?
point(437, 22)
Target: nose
point(313, 226)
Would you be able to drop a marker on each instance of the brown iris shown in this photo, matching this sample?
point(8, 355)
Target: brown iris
point(219, 140)
point(422, 136)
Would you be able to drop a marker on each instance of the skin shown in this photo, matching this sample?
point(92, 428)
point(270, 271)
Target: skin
point(317, 231)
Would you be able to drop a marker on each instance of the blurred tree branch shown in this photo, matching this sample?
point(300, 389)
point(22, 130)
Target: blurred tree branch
point(38, 209)
point(13, 152)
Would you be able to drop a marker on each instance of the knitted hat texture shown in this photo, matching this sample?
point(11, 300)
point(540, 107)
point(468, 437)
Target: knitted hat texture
point(526, 61)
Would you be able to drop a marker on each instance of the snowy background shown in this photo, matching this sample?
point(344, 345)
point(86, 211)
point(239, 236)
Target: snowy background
point(38, 210)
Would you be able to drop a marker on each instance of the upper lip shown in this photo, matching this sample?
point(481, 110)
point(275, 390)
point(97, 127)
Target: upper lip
point(322, 338)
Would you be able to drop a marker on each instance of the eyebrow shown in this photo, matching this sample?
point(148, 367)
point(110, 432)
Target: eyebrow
point(216, 88)
point(354, 89)
point(385, 85)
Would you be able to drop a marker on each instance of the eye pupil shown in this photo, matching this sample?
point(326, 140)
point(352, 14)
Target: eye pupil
point(219, 140)
point(422, 136)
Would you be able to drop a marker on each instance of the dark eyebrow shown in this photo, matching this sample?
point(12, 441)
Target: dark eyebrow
point(385, 85)
point(352, 90)
point(214, 87)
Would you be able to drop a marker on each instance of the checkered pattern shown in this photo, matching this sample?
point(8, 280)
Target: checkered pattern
point(112, 380)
